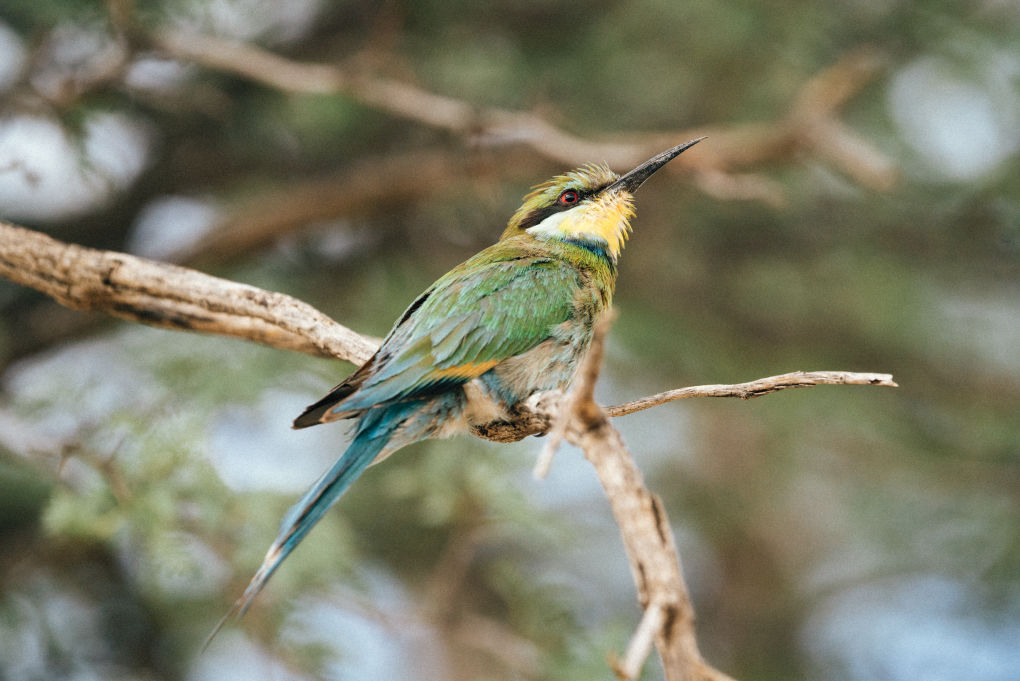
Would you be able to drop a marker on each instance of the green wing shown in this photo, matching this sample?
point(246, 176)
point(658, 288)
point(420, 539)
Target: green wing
point(486, 310)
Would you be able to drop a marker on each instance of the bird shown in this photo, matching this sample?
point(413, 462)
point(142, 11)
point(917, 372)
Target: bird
point(513, 320)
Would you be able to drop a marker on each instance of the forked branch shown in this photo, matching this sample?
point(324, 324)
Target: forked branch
point(647, 535)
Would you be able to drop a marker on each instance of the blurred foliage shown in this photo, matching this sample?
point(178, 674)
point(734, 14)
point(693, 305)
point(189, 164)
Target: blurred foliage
point(124, 502)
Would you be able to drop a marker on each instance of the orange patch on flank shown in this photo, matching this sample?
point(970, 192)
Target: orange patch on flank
point(469, 370)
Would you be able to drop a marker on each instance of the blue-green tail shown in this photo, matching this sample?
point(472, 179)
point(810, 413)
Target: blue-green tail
point(374, 431)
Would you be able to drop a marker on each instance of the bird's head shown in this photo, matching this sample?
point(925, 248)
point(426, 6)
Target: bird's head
point(591, 206)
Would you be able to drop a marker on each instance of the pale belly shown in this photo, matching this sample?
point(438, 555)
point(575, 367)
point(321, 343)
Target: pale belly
point(551, 365)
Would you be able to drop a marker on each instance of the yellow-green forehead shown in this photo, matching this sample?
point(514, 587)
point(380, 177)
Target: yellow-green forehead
point(585, 178)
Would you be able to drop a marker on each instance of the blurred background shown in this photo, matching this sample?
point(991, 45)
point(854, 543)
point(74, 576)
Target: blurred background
point(857, 207)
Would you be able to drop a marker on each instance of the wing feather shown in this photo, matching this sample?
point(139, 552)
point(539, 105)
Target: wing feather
point(476, 316)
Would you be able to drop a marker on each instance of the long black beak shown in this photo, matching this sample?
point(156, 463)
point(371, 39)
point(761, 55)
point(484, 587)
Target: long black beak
point(634, 179)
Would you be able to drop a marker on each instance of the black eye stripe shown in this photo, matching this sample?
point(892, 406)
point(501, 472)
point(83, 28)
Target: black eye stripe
point(536, 216)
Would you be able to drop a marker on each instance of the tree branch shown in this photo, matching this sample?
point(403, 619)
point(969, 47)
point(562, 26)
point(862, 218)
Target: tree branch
point(757, 388)
point(354, 190)
point(647, 535)
point(169, 296)
point(811, 125)
point(538, 414)
point(180, 298)
point(174, 297)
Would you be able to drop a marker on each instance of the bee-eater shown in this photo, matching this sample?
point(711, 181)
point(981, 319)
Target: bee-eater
point(509, 322)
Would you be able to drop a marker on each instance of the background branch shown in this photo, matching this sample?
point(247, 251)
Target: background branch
point(811, 125)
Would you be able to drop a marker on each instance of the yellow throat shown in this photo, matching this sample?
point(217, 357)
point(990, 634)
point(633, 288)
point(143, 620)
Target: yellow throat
point(597, 216)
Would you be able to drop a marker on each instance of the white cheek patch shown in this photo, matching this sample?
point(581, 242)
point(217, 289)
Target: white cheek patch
point(554, 224)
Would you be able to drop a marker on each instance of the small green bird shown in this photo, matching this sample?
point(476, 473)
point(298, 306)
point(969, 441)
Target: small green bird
point(509, 322)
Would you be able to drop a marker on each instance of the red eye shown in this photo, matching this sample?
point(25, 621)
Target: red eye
point(568, 198)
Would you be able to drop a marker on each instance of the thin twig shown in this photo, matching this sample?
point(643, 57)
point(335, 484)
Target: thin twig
point(641, 642)
point(554, 438)
point(756, 388)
